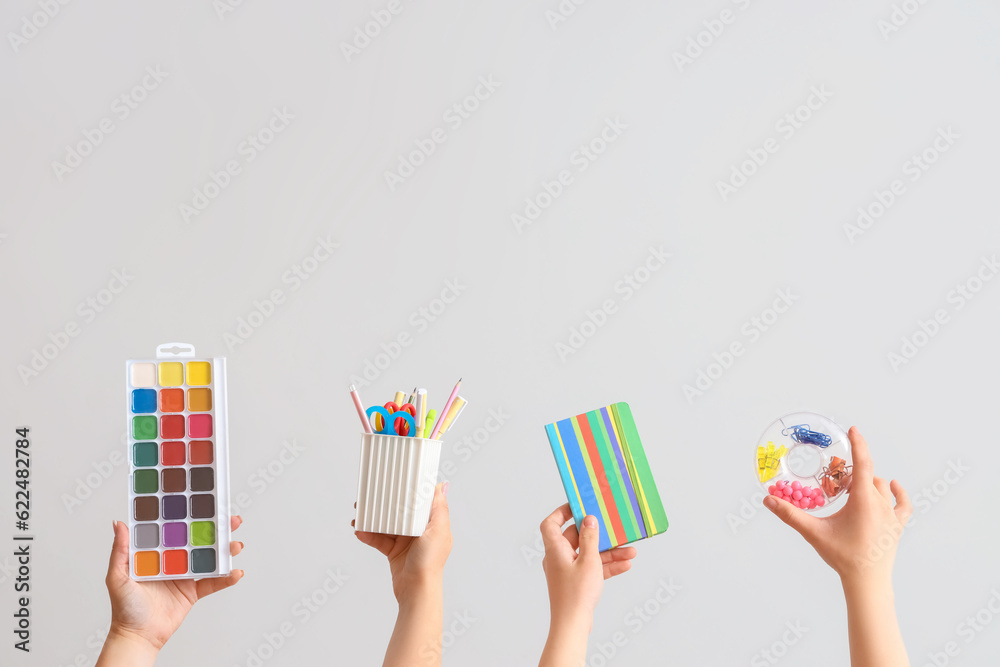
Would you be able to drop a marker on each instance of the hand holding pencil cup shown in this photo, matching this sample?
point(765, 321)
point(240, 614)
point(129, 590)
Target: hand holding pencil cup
point(400, 454)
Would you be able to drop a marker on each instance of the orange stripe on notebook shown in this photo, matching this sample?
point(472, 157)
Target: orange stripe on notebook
point(602, 479)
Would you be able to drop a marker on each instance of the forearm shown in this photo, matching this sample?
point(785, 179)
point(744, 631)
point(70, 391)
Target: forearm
point(566, 645)
point(126, 650)
point(416, 638)
point(874, 633)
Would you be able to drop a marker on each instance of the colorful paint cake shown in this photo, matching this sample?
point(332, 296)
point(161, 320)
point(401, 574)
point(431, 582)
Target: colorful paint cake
point(178, 456)
point(605, 473)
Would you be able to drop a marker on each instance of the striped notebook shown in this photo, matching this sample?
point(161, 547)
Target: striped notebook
point(605, 473)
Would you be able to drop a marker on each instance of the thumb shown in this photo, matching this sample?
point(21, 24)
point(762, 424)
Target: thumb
point(118, 563)
point(590, 536)
point(440, 518)
point(792, 515)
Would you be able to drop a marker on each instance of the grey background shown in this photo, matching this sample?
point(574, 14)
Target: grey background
point(523, 292)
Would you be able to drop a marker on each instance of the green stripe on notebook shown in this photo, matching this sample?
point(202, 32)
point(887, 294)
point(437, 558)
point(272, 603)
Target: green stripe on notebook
point(657, 517)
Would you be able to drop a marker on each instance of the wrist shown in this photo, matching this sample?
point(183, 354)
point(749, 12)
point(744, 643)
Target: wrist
point(138, 648)
point(422, 591)
point(868, 585)
point(573, 622)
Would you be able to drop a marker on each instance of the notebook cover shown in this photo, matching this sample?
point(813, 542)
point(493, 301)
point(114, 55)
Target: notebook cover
point(605, 473)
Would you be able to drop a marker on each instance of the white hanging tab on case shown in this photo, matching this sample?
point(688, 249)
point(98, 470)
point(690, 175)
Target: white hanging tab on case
point(174, 350)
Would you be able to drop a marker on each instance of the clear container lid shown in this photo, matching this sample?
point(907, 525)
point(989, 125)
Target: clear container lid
point(805, 458)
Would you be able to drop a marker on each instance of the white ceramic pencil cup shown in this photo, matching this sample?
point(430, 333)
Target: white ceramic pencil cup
point(396, 481)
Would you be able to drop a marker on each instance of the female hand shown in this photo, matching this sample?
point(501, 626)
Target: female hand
point(860, 540)
point(146, 613)
point(576, 579)
point(415, 562)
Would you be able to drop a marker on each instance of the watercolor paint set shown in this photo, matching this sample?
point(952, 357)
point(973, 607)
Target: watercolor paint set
point(178, 455)
point(605, 473)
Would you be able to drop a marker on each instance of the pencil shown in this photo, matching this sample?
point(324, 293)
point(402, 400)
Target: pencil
point(361, 411)
point(421, 407)
point(447, 406)
point(452, 415)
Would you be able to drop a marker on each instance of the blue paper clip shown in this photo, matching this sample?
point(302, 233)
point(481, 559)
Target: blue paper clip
point(800, 433)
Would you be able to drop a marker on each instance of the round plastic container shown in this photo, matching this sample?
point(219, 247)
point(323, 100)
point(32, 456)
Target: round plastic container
point(805, 458)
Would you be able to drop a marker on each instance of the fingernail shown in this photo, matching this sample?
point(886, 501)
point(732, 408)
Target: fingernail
point(590, 521)
point(444, 489)
point(770, 502)
point(114, 526)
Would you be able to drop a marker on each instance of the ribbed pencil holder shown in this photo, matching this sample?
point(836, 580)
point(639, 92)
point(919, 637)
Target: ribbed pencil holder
point(396, 480)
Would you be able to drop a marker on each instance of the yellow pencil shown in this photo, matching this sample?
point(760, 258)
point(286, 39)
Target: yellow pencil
point(421, 407)
point(456, 407)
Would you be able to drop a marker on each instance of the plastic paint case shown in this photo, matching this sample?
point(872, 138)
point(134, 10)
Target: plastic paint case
point(808, 464)
point(178, 454)
point(396, 480)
